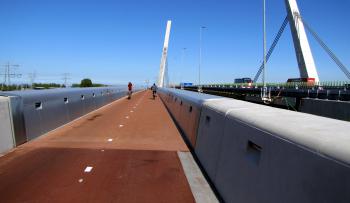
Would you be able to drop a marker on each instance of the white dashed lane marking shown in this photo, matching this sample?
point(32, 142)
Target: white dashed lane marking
point(88, 169)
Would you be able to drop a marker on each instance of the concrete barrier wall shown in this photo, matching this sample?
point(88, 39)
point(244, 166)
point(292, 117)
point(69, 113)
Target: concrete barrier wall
point(211, 131)
point(37, 112)
point(328, 108)
point(6, 130)
point(16, 107)
point(185, 108)
point(256, 153)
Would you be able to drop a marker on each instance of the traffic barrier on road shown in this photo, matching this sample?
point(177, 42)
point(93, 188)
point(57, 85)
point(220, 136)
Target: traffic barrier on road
point(328, 108)
point(36, 112)
point(257, 153)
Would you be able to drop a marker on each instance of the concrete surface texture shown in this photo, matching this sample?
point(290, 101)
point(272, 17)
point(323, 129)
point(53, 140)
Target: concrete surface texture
point(255, 153)
point(201, 192)
point(45, 110)
point(126, 151)
point(6, 132)
point(327, 108)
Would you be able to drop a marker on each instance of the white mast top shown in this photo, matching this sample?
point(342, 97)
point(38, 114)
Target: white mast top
point(164, 56)
point(303, 52)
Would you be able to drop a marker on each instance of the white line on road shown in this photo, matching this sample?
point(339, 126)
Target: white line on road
point(88, 169)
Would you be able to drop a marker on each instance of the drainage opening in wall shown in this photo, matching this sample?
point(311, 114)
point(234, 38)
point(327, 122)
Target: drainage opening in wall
point(190, 110)
point(65, 100)
point(38, 105)
point(93, 95)
point(253, 152)
point(207, 120)
point(82, 97)
point(181, 103)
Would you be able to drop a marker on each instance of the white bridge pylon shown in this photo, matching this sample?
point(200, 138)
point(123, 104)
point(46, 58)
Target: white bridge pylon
point(306, 63)
point(163, 61)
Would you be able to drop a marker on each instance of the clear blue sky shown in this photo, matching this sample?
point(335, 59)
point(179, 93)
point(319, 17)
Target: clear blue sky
point(118, 41)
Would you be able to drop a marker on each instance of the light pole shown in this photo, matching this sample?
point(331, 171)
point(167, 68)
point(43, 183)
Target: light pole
point(147, 83)
point(183, 65)
point(264, 39)
point(200, 58)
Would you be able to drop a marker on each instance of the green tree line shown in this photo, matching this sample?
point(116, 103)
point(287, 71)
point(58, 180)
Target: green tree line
point(86, 82)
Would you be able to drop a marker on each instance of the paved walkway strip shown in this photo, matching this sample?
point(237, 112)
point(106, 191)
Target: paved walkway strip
point(94, 159)
point(199, 186)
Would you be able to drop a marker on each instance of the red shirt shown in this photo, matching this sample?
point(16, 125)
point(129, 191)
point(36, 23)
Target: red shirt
point(130, 86)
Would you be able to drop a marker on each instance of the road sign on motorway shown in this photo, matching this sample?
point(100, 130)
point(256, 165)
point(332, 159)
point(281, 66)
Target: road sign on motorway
point(186, 84)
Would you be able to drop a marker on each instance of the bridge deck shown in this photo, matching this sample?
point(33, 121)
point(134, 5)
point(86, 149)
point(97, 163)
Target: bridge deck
point(133, 147)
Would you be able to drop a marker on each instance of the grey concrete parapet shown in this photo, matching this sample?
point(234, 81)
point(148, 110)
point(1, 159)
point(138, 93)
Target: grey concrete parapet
point(327, 108)
point(36, 112)
point(256, 153)
point(6, 128)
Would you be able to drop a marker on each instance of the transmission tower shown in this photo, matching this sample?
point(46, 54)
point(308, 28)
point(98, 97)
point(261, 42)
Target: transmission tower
point(9, 73)
point(32, 77)
point(66, 78)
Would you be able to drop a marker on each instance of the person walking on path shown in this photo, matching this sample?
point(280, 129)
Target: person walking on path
point(154, 90)
point(129, 90)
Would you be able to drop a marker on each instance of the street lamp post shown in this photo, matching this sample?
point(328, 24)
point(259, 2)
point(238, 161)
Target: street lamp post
point(200, 58)
point(183, 65)
point(147, 83)
point(264, 39)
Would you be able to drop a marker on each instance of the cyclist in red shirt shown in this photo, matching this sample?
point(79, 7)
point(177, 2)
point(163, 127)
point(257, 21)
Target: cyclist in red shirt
point(129, 90)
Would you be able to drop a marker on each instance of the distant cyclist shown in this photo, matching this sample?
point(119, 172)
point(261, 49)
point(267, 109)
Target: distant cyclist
point(154, 90)
point(129, 90)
